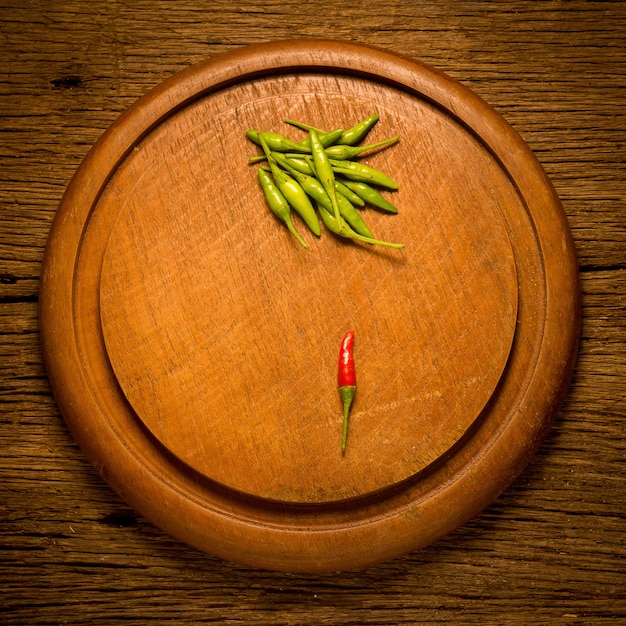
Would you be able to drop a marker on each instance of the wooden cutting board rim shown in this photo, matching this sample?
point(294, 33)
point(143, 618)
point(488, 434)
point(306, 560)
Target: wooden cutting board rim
point(311, 56)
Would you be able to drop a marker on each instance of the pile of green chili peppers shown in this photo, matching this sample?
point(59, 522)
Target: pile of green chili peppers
point(318, 176)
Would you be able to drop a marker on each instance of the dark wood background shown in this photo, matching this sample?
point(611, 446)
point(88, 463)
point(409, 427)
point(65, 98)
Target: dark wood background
point(550, 550)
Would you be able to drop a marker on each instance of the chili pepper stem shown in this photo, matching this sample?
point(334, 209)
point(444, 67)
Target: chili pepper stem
point(347, 396)
point(375, 242)
point(302, 126)
point(257, 159)
point(380, 144)
point(295, 233)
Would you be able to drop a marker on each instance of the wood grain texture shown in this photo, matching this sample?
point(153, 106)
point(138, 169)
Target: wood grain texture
point(550, 550)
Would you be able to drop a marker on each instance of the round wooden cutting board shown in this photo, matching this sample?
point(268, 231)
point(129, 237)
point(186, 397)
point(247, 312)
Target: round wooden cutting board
point(192, 343)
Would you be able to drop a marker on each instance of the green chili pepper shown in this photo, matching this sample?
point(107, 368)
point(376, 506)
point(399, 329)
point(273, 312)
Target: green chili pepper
point(338, 151)
point(278, 204)
point(323, 170)
point(310, 184)
point(370, 195)
point(362, 173)
point(341, 188)
point(349, 169)
point(349, 136)
point(316, 190)
point(300, 164)
point(340, 227)
point(356, 133)
point(297, 198)
point(326, 139)
point(343, 151)
point(276, 142)
point(292, 191)
point(351, 215)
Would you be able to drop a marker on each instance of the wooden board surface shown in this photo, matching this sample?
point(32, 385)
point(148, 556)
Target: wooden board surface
point(550, 549)
point(240, 326)
point(205, 338)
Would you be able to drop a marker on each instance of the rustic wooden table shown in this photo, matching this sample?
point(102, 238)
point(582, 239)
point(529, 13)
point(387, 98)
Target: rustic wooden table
point(549, 550)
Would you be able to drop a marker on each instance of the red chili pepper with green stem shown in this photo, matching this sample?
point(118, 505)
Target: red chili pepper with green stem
point(346, 379)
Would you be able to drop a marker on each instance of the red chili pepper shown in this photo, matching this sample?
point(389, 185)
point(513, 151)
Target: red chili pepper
point(346, 379)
